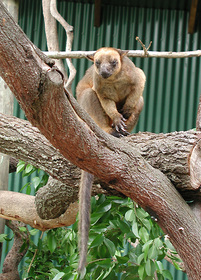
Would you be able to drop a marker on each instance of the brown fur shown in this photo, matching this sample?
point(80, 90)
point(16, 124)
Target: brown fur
point(111, 91)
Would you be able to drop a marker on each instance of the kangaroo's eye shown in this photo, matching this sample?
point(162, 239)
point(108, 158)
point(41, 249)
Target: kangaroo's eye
point(114, 62)
point(97, 62)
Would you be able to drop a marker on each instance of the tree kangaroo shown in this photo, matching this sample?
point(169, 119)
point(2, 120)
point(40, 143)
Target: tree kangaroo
point(111, 93)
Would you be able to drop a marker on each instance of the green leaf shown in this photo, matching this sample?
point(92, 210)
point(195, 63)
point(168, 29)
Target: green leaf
point(153, 252)
point(148, 267)
point(95, 217)
point(23, 229)
point(110, 276)
point(146, 245)
point(104, 207)
point(28, 190)
point(33, 231)
point(124, 226)
point(36, 182)
point(52, 242)
point(160, 277)
point(98, 228)
point(101, 199)
point(135, 229)
point(131, 269)
point(144, 235)
point(20, 166)
point(130, 215)
point(44, 179)
point(116, 199)
point(167, 274)
point(140, 258)
point(141, 214)
point(110, 245)
point(28, 168)
point(2, 237)
point(70, 276)
point(59, 276)
point(97, 241)
point(122, 260)
point(169, 244)
point(176, 265)
point(159, 266)
point(105, 263)
point(145, 248)
point(141, 272)
point(158, 243)
point(146, 223)
point(27, 184)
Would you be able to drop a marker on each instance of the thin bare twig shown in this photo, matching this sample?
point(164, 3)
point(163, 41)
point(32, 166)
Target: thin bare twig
point(52, 35)
point(131, 53)
point(30, 265)
point(69, 33)
point(143, 46)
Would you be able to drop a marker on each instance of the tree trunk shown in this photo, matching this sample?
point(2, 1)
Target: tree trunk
point(6, 106)
point(38, 86)
point(15, 255)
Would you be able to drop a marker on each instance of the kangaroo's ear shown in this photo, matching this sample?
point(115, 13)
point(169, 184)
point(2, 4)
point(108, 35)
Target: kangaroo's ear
point(122, 53)
point(90, 56)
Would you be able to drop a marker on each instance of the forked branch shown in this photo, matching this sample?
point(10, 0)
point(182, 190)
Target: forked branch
point(69, 33)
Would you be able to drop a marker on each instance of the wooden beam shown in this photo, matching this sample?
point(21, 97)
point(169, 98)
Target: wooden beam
point(97, 13)
point(192, 17)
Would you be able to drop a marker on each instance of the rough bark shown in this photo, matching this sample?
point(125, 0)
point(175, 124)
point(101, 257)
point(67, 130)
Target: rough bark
point(15, 255)
point(175, 154)
point(10, 210)
point(6, 106)
point(39, 88)
point(13, 164)
point(172, 155)
point(20, 139)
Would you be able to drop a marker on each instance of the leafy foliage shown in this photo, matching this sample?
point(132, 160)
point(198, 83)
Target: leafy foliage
point(124, 243)
point(37, 182)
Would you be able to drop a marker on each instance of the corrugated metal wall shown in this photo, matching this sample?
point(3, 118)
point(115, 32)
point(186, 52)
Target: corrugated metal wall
point(173, 85)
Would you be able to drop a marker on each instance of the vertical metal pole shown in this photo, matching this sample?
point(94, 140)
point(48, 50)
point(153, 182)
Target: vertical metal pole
point(6, 107)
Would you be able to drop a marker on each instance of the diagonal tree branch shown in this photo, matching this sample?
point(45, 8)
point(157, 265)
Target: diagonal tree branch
point(173, 154)
point(39, 88)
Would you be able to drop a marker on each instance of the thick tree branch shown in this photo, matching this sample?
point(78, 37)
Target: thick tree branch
point(171, 155)
point(39, 88)
point(175, 154)
point(19, 139)
point(10, 210)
